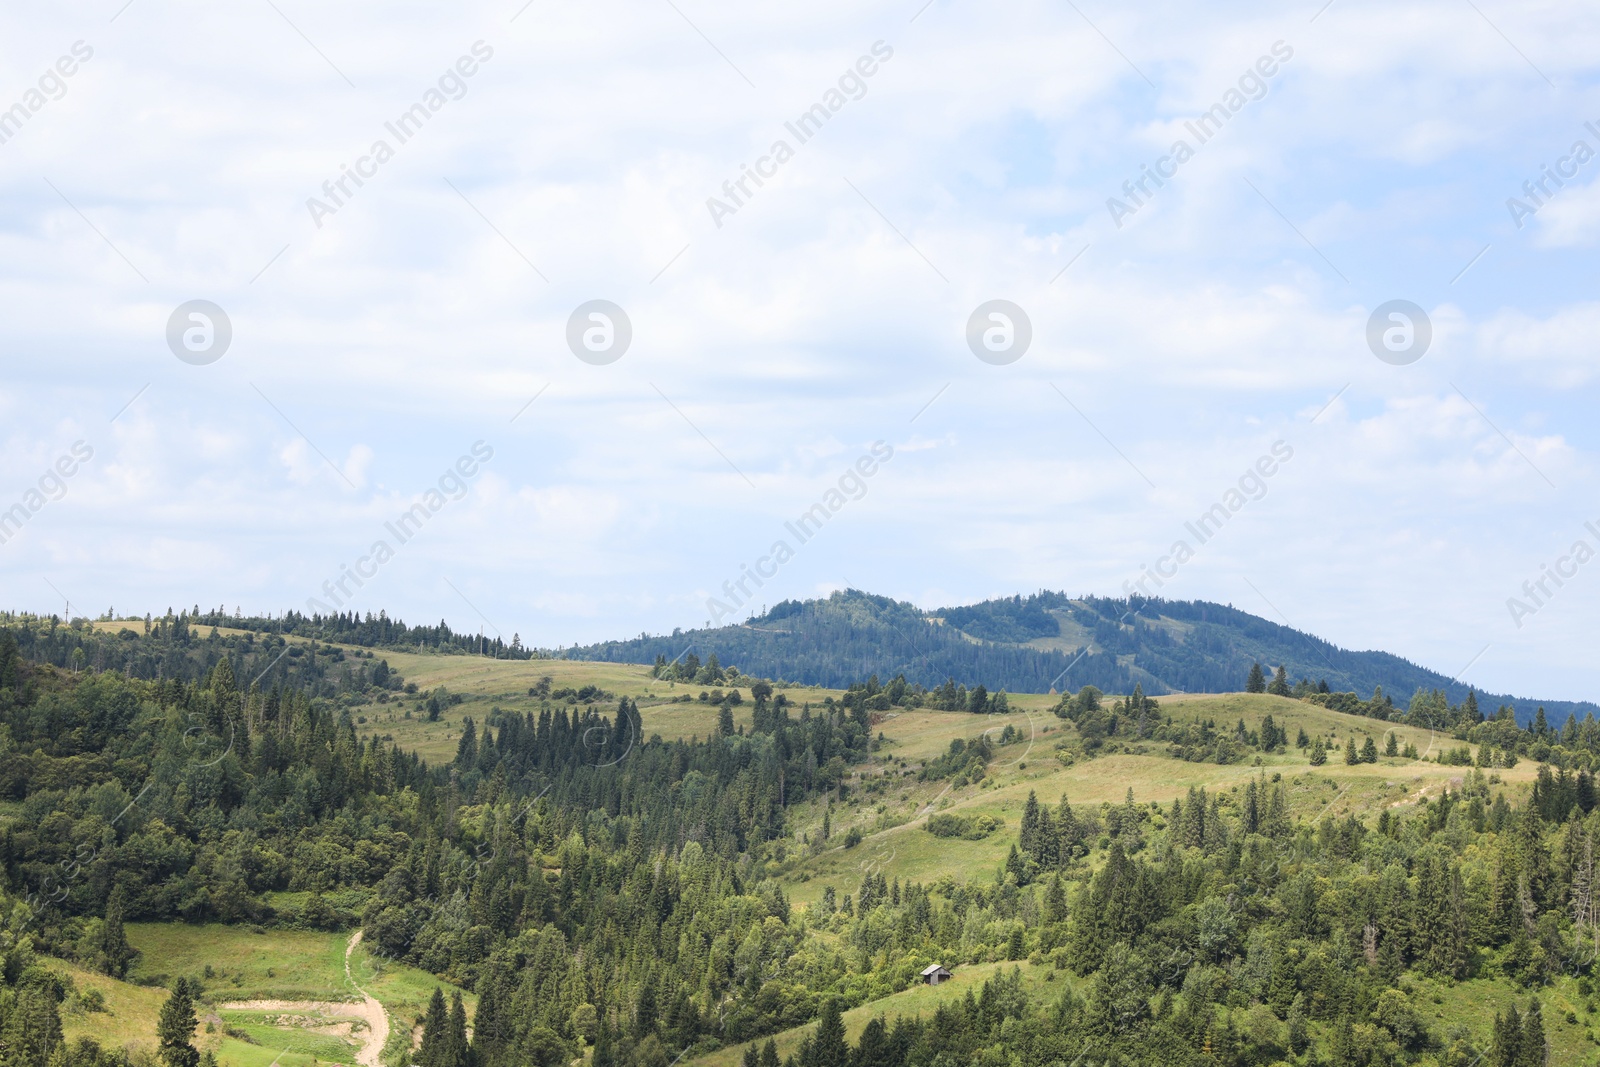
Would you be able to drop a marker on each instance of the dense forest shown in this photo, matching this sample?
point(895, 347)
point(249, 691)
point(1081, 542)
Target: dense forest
point(1164, 646)
point(612, 895)
point(178, 645)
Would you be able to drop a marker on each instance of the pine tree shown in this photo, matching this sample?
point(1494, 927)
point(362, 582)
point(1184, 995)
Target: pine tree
point(1252, 809)
point(874, 1048)
point(1369, 751)
point(828, 1048)
point(1028, 835)
point(1301, 740)
point(1506, 1049)
point(1351, 756)
point(1391, 747)
point(434, 1047)
point(1299, 1027)
point(605, 1055)
point(1280, 683)
point(115, 952)
point(1055, 901)
point(175, 1027)
point(1257, 682)
point(458, 1053)
point(1532, 1051)
point(1319, 753)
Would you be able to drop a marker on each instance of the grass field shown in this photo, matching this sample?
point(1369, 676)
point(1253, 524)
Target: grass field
point(280, 965)
point(1038, 982)
point(892, 819)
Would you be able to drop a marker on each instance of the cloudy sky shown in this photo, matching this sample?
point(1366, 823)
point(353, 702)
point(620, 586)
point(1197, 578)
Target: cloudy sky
point(380, 330)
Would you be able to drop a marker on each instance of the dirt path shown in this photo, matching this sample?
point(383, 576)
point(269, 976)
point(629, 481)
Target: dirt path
point(372, 1011)
point(333, 1017)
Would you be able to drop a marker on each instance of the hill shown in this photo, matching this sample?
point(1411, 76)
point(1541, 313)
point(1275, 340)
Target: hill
point(1046, 642)
point(634, 867)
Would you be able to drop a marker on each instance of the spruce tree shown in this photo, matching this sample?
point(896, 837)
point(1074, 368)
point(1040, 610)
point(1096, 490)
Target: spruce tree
point(1351, 756)
point(435, 1033)
point(1299, 1027)
point(1369, 751)
point(1319, 753)
point(874, 1049)
point(175, 1028)
point(1391, 747)
point(1028, 834)
point(1280, 683)
point(458, 1053)
point(115, 952)
point(1506, 1049)
point(1532, 1051)
point(828, 1048)
point(1257, 682)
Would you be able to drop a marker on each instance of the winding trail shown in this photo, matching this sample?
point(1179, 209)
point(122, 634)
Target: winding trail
point(333, 1017)
point(377, 1019)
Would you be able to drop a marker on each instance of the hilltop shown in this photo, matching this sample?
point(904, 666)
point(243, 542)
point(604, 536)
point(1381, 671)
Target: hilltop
point(1046, 642)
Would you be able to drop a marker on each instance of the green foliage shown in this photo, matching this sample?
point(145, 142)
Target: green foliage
point(1257, 681)
point(970, 828)
point(612, 896)
point(175, 1030)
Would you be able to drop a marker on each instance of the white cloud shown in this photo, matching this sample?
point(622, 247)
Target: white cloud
point(408, 326)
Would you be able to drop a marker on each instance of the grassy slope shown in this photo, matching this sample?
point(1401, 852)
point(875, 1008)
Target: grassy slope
point(487, 684)
point(279, 965)
point(907, 851)
point(1039, 982)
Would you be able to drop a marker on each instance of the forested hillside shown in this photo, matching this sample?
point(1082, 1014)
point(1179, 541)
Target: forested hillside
point(1042, 642)
point(607, 894)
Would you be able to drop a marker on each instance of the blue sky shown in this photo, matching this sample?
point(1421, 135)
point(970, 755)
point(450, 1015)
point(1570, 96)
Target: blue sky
point(575, 163)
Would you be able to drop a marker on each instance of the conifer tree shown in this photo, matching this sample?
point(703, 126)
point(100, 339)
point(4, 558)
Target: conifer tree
point(1257, 682)
point(1369, 751)
point(1532, 1051)
point(1351, 756)
point(458, 1053)
point(175, 1027)
point(1280, 682)
point(1299, 1027)
point(434, 1047)
point(1028, 834)
point(1506, 1048)
point(827, 1044)
point(115, 952)
point(1319, 753)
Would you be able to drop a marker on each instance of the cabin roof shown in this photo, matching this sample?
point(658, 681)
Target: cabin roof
point(933, 969)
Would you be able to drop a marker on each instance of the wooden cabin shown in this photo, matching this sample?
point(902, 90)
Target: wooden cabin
point(935, 974)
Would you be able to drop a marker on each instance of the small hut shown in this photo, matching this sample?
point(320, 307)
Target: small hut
point(935, 974)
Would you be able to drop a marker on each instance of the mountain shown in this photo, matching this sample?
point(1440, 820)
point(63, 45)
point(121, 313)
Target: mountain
point(1047, 641)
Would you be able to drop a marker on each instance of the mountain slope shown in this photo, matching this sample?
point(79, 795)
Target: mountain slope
point(1042, 642)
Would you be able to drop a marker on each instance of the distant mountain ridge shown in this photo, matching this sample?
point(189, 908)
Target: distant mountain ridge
point(1032, 644)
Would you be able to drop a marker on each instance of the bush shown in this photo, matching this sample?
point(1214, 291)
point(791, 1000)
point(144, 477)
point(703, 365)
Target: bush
point(969, 828)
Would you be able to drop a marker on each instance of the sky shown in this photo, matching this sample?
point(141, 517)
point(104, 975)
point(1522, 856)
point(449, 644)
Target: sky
point(253, 364)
